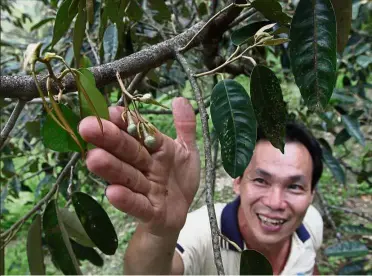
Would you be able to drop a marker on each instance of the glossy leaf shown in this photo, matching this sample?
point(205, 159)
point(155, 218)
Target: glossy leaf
point(41, 23)
point(235, 123)
point(96, 222)
point(110, 43)
point(354, 268)
point(88, 84)
point(313, 51)
point(58, 139)
point(242, 35)
point(343, 11)
point(74, 228)
point(58, 241)
point(272, 10)
point(63, 20)
point(352, 127)
point(347, 249)
point(79, 32)
point(8, 169)
point(33, 128)
point(275, 41)
point(334, 166)
point(356, 229)
point(35, 254)
point(134, 11)
point(86, 253)
point(253, 262)
point(268, 104)
point(342, 137)
point(364, 61)
point(160, 9)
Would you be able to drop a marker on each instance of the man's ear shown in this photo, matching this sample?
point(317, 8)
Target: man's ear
point(236, 185)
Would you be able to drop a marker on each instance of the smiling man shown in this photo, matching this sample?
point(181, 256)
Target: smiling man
point(271, 214)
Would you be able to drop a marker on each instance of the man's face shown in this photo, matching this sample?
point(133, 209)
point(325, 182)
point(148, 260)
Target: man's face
point(275, 192)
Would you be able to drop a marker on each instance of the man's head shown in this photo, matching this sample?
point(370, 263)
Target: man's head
point(276, 189)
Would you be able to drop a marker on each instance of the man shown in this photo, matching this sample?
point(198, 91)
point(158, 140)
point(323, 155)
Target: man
point(272, 214)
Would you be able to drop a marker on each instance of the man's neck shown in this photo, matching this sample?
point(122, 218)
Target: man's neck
point(276, 254)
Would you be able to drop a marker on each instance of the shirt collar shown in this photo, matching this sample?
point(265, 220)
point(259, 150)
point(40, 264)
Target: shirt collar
point(230, 225)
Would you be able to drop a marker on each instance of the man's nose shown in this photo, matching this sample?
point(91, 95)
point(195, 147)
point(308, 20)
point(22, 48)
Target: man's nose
point(274, 199)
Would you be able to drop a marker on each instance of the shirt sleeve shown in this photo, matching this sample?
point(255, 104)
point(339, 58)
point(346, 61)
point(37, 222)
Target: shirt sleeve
point(314, 223)
point(193, 240)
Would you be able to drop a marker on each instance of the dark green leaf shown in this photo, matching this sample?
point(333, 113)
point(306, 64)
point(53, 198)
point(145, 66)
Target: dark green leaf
point(343, 11)
point(202, 9)
point(33, 128)
point(44, 184)
point(253, 262)
point(272, 10)
point(35, 254)
point(342, 137)
point(74, 228)
point(325, 144)
point(63, 20)
point(56, 138)
point(268, 105)
point(85, 62)
point(58, 241)
point(34, 166)
point(243, 34)
point(41, 23)
point(347, 249)
point(134, 11)
point(352, 126)
point(96, 222)
point(89, 84)
point(275, 41)
point(364, 61)
point(160, 10)
point(354, 268)
point(16, 185)
point(69, 55)
point(356, 114)
point(342, 97)
point(86, 253)
point(233, 118)
point(356, 229)
point(334, 166)
point(79, 32)
point(313, 51)
point(110, 43)
point(73, 7)
point(8, 169)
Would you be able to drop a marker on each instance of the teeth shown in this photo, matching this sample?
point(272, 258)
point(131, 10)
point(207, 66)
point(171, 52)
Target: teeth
point(267, 220)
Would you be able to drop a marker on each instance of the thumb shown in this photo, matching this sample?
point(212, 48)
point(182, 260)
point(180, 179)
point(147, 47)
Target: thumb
point(185, 121)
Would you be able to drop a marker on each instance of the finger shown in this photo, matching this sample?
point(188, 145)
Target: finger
point(185, 121)
point(110, 168)
point(115, 117)
point(115, 141)
point(127, 201)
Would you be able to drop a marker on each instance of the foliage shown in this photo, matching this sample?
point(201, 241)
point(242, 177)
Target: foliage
point(329, 92)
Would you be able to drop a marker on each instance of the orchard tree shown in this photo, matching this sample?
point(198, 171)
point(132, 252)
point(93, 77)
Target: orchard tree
point(245, 61)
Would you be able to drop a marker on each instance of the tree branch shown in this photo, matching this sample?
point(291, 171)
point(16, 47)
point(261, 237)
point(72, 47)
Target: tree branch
point(208, 164)
point(11, 122)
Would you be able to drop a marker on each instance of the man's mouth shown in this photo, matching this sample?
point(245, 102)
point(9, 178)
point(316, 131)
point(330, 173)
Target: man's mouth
point(270, 221)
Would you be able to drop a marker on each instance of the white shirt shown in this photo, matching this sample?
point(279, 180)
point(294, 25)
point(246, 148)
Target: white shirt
point(195, 243)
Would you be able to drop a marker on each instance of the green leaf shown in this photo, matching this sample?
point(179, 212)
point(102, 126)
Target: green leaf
point(313, 51)
point(63, 20)
point(356, 229)
point(272, 10)
point(85, 62)
point(86, 253)
point(79, 33)
point(325, 144)
point(8, 169)
point(342, 97)
point(134, 11)
point(96, 222)
point(110, 43)
point(58, 241)
point(275, 41)
point(343, 11)
point(347, 249)
point(58, 139)
point(269, 107)
point(334, 166)
point(352, 127)
point(35, 254)
point(243, 34)
point(89, 85)
point(41, 23)
point(74, 228)
point(33, 128)
point(364, 61)
point(342, 137)
point(354, 268)
point(160, 10)
point(253, 262)
point(235, 123)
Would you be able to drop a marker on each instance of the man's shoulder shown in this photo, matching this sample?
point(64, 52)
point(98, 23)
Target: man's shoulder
point(313, 223)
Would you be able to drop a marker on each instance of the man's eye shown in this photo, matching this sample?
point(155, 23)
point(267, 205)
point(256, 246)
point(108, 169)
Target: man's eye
point(259, 180)
point(295, 187)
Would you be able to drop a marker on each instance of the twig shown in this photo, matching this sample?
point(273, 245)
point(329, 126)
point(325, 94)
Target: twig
point(131, 88)
point(75, 157)
point(208, 163)
point(11, 121)
point(91, 44)
point(349, 211)
point(206, 24)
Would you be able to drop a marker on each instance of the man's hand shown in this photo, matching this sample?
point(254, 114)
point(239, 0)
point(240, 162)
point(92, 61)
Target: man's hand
point(157, 186)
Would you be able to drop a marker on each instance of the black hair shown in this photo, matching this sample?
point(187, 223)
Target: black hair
point(296, 132)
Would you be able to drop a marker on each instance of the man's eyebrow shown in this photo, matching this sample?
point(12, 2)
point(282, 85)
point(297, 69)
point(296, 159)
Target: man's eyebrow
point(294, 178)
point(263, 172)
